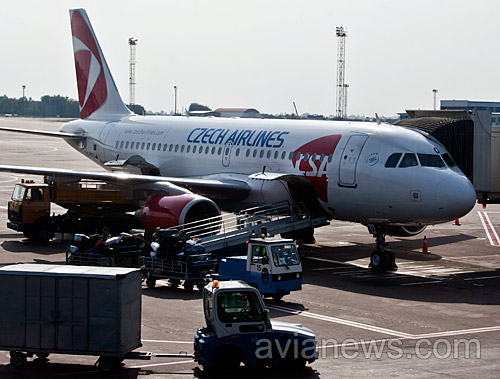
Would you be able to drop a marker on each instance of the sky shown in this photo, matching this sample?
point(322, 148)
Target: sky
point(264, 54)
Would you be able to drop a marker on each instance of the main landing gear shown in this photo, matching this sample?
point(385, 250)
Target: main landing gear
point(381, 259)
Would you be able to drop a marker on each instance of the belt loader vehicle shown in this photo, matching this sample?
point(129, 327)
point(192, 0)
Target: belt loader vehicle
point(272, 265)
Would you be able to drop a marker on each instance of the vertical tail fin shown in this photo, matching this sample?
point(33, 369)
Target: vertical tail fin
point(98, 96)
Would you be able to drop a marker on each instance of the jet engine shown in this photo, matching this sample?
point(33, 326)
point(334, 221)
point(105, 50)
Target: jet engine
point(167, 211)
point(404, 231)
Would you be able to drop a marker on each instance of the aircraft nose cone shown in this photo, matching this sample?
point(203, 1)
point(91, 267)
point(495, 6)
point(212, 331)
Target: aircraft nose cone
point(456, 197)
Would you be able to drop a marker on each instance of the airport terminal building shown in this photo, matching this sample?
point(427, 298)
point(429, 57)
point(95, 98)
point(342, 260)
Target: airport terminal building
point(492, 106)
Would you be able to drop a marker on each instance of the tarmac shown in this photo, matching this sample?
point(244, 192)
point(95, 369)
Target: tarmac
point(437, 316)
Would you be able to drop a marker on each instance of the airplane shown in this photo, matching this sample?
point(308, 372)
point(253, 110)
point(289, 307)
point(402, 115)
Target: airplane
point(179, 169)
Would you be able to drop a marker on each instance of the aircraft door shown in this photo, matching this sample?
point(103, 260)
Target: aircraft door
point(103, 150)
point(226, 156)
point(349, 160)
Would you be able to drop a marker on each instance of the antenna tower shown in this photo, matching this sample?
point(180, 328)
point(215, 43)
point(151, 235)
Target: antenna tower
point(341, 86)
point(132, 42)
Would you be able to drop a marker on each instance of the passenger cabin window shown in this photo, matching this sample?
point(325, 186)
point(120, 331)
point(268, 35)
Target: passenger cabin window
point(409, 160)
point(393, 160)
point(431, 160)
point(448, 160)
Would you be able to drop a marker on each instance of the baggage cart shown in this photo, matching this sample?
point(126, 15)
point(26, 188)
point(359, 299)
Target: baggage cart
point(70, 310)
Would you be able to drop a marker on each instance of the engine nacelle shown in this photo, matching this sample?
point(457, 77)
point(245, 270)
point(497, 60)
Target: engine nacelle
point(167, 211)
point(404, 231)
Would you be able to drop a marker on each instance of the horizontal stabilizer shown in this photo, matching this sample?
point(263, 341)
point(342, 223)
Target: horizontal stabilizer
point(43, 133)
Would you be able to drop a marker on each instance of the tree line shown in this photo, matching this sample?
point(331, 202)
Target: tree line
point(47, 106)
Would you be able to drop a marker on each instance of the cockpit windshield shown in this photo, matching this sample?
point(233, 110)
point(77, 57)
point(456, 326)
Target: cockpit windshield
point(431, 160)
point(449, 160)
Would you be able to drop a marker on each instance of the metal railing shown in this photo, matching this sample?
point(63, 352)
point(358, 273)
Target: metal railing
point(251, 218)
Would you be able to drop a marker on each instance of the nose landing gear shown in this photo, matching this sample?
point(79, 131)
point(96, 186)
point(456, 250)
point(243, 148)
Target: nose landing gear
point(381, 259)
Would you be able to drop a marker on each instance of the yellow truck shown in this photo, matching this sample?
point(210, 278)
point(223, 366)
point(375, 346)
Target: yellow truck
point(90, 206)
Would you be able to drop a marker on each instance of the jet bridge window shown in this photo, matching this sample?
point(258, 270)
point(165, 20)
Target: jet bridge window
point(409, 160)
point(431, 160)
point(448, 160)
point(393, 160)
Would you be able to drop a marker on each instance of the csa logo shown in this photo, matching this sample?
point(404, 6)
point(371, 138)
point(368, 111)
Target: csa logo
point(313, 161)
point(92, 90)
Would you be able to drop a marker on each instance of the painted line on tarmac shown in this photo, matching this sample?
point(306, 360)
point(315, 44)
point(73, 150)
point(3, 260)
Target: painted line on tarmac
point(162, 341)
point(340, 321)
point(384, 330)
point(491, 233)
point(420, 283)
point(483, 277)
point(161, 364)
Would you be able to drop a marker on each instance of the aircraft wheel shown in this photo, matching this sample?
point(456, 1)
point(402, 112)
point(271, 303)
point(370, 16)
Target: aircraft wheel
point(391, 263)
point(379, 260)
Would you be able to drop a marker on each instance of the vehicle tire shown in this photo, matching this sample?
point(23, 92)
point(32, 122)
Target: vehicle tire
point(188, 285)
point(174, 283)
point(226, 359)
point(106, 365)
point(43, 235)
point(289, 363)
point(277, 296)
point(17, 359)
point(29, 234)
point(42, 356)
point(150, 283)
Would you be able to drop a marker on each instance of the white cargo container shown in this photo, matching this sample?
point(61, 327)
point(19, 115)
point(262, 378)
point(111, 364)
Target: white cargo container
point(70, 310)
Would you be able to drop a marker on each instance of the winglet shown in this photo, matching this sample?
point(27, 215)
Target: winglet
point(98, 96)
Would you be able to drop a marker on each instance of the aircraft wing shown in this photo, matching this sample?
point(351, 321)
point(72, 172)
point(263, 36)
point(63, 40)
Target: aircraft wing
point(43, 133)
point(213, 188)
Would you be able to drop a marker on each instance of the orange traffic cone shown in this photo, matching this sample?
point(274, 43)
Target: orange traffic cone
point(457, 222)
point(425, 249)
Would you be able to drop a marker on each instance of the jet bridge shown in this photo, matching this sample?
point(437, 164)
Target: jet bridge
point(227, 230)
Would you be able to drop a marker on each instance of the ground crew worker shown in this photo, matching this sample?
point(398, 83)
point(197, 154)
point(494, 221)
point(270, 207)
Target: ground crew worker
point(264, 233)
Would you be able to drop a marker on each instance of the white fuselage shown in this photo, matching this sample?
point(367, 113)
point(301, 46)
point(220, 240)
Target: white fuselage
point(345, 161)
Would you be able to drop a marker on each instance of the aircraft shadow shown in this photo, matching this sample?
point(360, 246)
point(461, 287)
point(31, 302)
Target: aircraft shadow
point(445, 288)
